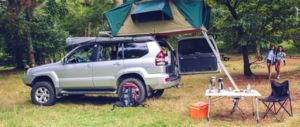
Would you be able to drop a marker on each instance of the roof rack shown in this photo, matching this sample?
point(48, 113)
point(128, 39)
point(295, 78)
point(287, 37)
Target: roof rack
point(86, 40)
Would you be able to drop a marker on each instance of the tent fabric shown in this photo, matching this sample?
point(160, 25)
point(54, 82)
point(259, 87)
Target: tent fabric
point(188, 16)
point(151, 11)
point(117, 16)
point(192, 11)
point(206, 15)
point(156, 27)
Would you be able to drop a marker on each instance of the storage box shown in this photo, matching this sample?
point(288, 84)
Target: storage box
point(199, 110)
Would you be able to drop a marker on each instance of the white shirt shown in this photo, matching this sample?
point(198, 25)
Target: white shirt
point(271, 55)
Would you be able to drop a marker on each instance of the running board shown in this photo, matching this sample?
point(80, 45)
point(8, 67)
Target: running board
point(73, 92)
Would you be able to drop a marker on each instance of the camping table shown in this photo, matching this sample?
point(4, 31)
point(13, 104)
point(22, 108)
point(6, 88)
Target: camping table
point(226, 93)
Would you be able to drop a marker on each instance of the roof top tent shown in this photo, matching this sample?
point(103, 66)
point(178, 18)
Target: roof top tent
point(159, 17)
point(169, 17)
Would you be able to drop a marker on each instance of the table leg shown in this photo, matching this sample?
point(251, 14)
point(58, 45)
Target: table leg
point(209, 106)
point(257, 110)
point(253, 107)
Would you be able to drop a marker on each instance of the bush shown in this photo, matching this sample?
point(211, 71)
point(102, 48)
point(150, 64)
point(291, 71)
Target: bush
point(290, 47)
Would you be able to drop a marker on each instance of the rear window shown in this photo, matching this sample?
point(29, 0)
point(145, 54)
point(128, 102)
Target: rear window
point(135, 50)
point(192, 46)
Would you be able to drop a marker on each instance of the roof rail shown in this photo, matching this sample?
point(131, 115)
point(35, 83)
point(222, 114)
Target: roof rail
point(85, 40)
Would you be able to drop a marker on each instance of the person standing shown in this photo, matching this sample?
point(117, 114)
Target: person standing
point(271, 57)
point(280, 57)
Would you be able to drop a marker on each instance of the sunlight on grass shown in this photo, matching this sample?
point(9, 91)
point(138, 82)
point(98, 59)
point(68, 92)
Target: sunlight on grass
point(6, 68)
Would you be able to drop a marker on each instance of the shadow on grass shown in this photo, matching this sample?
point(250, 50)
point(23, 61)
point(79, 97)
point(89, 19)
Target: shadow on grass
point(238, 116)
point(83, 100)
point(10, 72)
point(262, 78)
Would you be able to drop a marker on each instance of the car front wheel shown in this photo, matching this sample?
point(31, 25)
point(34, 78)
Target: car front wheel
point(43, 93)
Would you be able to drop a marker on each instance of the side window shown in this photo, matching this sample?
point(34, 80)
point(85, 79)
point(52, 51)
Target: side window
point(107, 52)
point(135, 50)
point(82, 55)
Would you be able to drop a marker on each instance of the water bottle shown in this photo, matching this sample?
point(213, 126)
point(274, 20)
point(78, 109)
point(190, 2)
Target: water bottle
point(248, 88)
point(220, 84)
point(212, 83)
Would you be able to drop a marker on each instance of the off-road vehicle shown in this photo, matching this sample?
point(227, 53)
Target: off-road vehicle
point(100, 65)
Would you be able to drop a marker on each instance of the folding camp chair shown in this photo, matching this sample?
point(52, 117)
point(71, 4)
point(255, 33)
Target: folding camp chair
point(280, 95)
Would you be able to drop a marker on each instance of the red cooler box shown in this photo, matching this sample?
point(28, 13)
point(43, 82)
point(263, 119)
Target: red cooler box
point(199, 110)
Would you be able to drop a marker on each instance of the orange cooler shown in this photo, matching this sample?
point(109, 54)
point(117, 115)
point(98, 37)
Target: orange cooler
point(199, 110)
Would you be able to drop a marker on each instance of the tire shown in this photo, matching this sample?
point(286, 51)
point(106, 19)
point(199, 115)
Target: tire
point(140, 85)
point(45, 91)
point(156, 93)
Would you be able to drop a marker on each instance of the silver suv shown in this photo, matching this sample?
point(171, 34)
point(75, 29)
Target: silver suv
point(103, 65)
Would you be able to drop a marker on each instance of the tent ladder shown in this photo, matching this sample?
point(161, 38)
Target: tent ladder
point(219, 60)
point(216, 47)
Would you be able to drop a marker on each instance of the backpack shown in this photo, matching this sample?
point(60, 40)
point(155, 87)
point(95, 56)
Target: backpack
point(129, 96)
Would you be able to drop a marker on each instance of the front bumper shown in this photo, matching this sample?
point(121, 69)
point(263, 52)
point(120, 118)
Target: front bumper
point(27, 80)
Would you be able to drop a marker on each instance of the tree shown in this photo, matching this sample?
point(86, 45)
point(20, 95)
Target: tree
point(11, 29)
point(19, 30)
point(31, 5)
point(239, 33)
point(34, 31)
point(244, 24)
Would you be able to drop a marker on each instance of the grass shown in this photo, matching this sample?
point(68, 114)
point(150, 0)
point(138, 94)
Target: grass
point(6, 68)
point(170, 110)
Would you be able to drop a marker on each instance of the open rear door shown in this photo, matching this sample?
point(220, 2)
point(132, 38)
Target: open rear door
point(195, 56)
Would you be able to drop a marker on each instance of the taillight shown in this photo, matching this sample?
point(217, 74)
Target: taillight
point(160, 59)
point(167, 79)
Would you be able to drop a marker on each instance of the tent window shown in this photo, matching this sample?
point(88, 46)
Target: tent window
point(155, 10)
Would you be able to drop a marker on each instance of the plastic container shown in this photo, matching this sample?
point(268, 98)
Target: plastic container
point(199, 110)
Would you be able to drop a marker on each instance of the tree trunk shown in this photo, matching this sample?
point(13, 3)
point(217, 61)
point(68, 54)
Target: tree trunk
point(31, 59)
point(247, 70)
point(240, 31)
point(19, 52)
point(258, 53)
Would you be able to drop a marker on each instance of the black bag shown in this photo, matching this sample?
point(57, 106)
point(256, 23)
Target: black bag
point(129, 97)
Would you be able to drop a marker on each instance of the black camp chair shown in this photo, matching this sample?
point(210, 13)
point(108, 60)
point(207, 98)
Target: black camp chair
point(280, 95)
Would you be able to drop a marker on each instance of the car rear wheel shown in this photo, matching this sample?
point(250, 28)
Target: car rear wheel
point(141, 91)
point(42, 93)
point(157, 93)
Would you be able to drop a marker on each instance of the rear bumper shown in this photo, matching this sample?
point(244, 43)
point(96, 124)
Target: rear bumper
point(159, 81)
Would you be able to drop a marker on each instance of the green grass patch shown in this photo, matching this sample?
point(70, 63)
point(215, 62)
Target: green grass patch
point(6, 68)
point(171, 110)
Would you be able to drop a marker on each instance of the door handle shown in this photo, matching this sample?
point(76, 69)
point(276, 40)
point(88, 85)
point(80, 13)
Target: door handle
point(89, 66)
point(117, 64)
